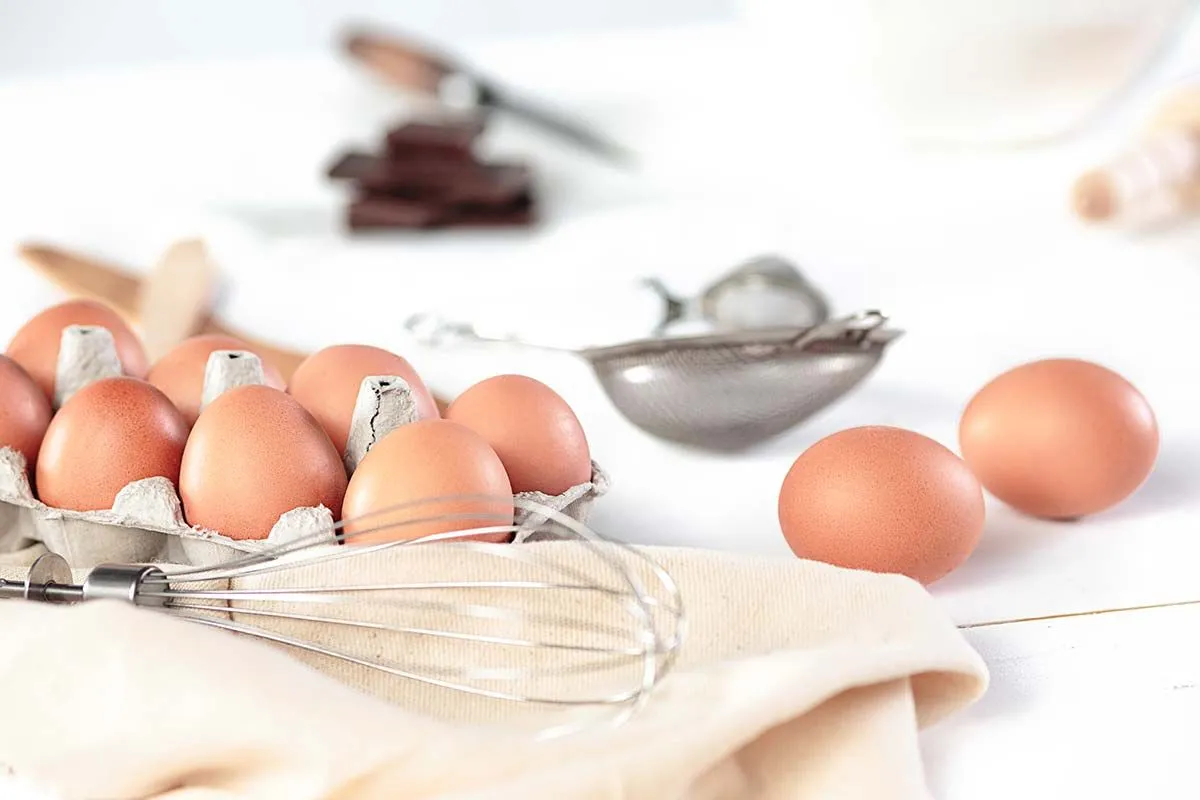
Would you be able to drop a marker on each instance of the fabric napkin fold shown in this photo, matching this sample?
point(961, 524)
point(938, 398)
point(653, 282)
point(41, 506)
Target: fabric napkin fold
point(796, 680)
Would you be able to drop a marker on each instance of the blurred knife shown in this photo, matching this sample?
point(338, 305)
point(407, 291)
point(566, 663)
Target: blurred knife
point(418, 67)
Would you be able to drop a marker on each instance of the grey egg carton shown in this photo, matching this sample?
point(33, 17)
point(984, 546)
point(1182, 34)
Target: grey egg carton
point(146, 522)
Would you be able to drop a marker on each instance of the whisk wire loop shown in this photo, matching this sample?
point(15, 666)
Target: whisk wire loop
point(576, 623)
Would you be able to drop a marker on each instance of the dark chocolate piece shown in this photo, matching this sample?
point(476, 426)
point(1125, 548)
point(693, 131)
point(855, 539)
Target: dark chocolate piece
point(450, 139)
point(444, 182)
point(392, 212)
point(506, 183)
point(374, 211)
point(503, 185)
point(514, 216)
point(428, 177)
point(376, 172)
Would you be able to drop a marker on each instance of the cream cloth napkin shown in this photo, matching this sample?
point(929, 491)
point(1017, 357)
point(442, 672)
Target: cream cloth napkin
point(797, 680)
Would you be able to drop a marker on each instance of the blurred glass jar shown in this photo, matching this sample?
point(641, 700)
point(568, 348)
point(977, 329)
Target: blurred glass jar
point(980, 71)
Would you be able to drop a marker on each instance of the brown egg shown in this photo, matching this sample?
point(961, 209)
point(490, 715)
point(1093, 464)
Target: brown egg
point(327, 385)
point(532, 429)
point(253, 455)
point(1060, 438)
point(24, 412)
point(35, 345)
point(882, 499)
point(108, 434)
point(417, 464)
point(180, 373)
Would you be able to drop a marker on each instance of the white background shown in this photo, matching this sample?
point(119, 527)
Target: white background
point(971, 250)
point(38, 36)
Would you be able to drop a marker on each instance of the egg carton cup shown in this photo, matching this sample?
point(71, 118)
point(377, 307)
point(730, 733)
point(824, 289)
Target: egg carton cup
point(386, 402)
point(146, 522)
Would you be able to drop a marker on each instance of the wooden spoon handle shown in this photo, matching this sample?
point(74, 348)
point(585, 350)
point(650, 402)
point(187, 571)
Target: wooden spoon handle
point(82, 276)
point(175, 297)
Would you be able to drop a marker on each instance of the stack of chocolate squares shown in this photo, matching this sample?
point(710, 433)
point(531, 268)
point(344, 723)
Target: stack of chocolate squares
point(429, 177)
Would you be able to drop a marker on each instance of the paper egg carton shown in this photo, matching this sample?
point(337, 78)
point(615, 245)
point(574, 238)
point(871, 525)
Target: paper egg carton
point(146, 522)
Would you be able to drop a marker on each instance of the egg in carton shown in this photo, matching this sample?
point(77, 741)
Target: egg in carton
point(146, 523)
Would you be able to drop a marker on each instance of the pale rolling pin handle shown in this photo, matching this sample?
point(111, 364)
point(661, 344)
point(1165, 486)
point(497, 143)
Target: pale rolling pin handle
point(1146, 182)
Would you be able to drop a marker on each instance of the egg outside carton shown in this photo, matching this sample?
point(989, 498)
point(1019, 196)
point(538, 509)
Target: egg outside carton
point(146, 522)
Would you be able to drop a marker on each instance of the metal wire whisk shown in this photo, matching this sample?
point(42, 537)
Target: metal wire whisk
point(560, 635)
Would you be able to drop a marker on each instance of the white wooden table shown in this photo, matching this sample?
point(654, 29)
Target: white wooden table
point(973, 254)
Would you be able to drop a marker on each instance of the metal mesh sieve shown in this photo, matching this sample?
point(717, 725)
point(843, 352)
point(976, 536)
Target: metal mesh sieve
point(769, 359)
point(732, 391)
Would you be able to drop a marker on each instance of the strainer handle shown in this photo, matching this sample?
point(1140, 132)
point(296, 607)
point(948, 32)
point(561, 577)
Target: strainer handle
point(434, 331)
point(856, 327)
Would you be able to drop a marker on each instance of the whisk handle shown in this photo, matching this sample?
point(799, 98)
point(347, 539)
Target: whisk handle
point(49, 581)
point(44, 592)
point(123, 582)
